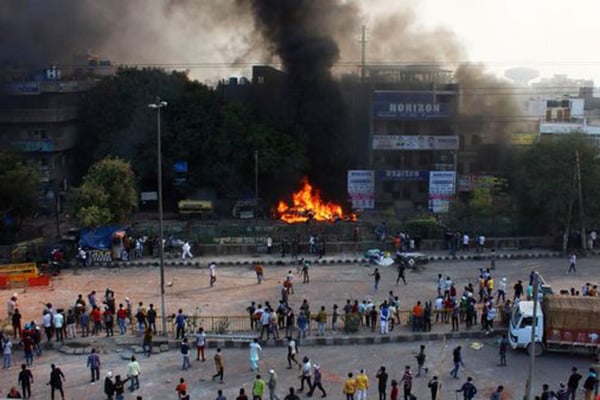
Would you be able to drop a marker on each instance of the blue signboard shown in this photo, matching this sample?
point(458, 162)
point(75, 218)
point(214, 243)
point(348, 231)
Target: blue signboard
point(407, 105)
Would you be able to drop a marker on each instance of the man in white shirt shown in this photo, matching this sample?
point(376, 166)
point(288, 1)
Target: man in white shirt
point(58, 322)
point(213, 273)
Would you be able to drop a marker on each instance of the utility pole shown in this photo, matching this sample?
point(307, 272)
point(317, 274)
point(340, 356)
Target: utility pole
point(529, 395)
point(580, 194)
point(161, 249)
point(363, 53)
point(255, 183)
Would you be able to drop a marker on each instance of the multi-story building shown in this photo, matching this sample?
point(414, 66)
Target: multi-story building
point(413, 143)
point(38, 118)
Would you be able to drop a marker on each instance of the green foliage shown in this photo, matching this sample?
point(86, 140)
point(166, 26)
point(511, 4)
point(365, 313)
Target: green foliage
point(107, 194)
point(425, 227)
point(546, 183)
point(18, 185)
point(218, 141)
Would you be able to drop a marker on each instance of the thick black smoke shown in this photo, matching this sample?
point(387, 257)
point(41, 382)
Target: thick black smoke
point(301, 33)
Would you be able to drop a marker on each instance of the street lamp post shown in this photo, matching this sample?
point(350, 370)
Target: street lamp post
point(163, 311)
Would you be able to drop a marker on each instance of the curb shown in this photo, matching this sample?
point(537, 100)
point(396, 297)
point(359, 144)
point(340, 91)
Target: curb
point(346, 261)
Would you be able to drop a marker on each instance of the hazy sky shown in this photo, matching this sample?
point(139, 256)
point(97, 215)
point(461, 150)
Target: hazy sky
point(553, 36)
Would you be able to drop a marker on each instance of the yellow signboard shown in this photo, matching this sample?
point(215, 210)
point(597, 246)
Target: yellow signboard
point(524, 139)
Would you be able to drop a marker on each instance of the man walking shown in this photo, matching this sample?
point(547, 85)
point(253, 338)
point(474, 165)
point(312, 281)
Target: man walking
point(468, 389)
point(457, 360)
point(306, 374)
point(56, 380)
point(572, 263)
point(401, 269)
point(213, 273)
point(272, 384)
point(25, 380)
point(421, 361)
point(292, 351)
point(258, 388)
point(219, 365)
point(376, 278)
point(186, 251)
point(93, 362)
point(317, 381)
point(254, 358)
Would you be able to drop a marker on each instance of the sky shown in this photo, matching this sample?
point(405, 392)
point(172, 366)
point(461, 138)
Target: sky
point(552, 36)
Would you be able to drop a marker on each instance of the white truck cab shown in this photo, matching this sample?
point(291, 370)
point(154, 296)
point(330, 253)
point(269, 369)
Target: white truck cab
point(519, 329)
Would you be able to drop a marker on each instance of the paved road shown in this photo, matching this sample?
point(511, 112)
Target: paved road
point(330, 283)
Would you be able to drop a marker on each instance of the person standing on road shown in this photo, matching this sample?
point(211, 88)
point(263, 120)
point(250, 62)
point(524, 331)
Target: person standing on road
point(362, 385)
point(55, 382)
point(200, 344)
point(435, 386)
point(350, 387)
point(109, 386)
point(219, 365)
point(260, 273)
point(518, 289)
point(407, 379)
point(421, 361)
point(254, 358)
point(258, 388)
point(376, 278)
point(401, 270)
point(133, 373)
point(457, 360)
point(180, 324)
point(272, 385)
point(468, 389)
point(382, 378)
point(93, 362)
point(590, 384)
point(573, 382)
point(503, 348)
point(25, 380)
point(185, 354)
point(572, 264)
point(213, 273)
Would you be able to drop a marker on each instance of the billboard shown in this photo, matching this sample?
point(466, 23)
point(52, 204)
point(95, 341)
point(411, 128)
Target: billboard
point(361, 188)
point(402, 175)
point(441, 190)
point(415, 142)
point(407, 105)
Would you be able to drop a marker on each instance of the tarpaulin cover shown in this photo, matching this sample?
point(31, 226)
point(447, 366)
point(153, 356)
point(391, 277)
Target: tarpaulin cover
point(572, 312)
point(99, 238)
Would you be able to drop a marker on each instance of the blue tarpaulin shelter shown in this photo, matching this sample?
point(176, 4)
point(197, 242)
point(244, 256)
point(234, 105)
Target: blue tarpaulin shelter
point(101, 238)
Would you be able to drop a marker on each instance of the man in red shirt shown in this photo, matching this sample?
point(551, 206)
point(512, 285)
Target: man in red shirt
point(417, 317)
point(96, 319)
point(122, 319)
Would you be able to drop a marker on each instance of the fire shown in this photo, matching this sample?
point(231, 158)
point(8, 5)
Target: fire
point(307, 204)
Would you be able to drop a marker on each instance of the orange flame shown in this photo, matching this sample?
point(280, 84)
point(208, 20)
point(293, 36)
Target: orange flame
point(307, 204)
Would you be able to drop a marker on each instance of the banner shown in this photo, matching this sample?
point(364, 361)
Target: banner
point(441, 190)
point(415, 142)
point(404, 175)
point(361, 188)
point(407, 105)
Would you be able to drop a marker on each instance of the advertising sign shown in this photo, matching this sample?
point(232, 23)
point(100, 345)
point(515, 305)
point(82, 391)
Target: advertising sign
point(407, 105)
point(415, 142)
point(361, 188)
point(441, 190)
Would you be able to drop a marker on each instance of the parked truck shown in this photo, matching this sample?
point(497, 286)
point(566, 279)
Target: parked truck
point(564, 323)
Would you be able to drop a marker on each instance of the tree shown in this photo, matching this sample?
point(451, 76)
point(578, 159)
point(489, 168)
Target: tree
point(107, 193)
point(18, 184)
point(546, 182)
